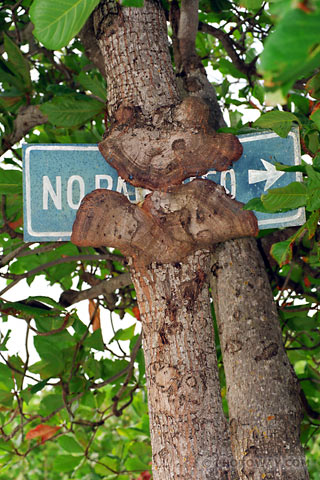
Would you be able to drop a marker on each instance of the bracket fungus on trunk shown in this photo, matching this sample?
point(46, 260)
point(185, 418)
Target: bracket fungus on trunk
point(182, 146)
point(169, 226)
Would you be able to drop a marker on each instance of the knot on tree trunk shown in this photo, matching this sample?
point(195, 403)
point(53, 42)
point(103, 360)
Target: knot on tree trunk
point(169, 226)
point(182, 146)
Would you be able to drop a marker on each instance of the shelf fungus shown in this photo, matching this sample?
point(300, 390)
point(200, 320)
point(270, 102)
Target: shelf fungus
point(155, 157)
point(167, 227)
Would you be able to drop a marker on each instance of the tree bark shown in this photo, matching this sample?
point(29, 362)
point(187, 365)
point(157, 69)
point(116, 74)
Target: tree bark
point(189, 432)
point(262, 390)
point(190, 438)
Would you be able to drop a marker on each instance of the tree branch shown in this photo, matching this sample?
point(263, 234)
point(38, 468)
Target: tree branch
point(57, 261)
point(105, 287)
point(188, 28)
point(228, 44)
point(28, 117)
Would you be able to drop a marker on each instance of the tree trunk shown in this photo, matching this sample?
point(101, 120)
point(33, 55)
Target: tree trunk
point(262, 390)
point(189, 432)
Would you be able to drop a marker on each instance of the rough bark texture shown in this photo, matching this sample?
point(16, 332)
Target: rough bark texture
point(262, 390)
point(141, 77)
point(189, 433)
point(183, 389)
point(168, 226)
point(182, 146)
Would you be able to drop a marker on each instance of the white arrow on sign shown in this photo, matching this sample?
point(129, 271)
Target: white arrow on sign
point(270, 174)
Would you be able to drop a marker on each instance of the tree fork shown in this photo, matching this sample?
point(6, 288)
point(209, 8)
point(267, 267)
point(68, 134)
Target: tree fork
point(134, 43)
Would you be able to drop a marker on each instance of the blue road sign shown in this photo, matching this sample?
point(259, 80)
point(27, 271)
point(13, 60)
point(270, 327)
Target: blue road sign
point(56, 178)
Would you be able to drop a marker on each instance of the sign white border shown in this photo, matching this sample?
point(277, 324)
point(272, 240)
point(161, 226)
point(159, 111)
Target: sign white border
point(297, 215)
point(28, 184)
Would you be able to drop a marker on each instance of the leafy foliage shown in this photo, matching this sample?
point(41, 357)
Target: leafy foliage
point(81, 406)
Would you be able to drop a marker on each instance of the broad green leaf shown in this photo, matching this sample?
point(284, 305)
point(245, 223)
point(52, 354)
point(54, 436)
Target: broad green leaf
point(258, 93)
point(95, 341)
point(313, 191)
point(16, 61)
point(279, 122)
point(255, 204)
point(251, 4)
point(69, 111)
point(125, 334)
point(226, 67)
point(57, 22)
point(93, 84)
point(315, 117)
point(106, 466)
point(136, 464)
point(6, 377)
point(292, 50)
point(69, 444)
point(50, 353)
point(6, 398)
point(50, 404)
point(292, 196)
point(6, 446)
point(282, 252)
point(10, 181)
point(66, 463)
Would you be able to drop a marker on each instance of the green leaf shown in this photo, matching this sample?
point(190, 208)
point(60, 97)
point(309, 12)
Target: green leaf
point(50, 404)
point(50, 353)
point(57, 22)
point(258, 93)
point(69, 444)
point(95, 341)
point(10, 181)
point(279, 122)
point(315, 117)
point(69, 111)
point(16, 61)
point(313, 86)
point(251, 4)
point(282, 252)
point(135, 464)
point(39, 386)
point(292, 50)
point(312, 223)
point(313, 191)
point(6, 377)
point(125, 334)
point(226, 67)
point(93, 84)
point(66, 463)
point(292, 196)
point(106, 466)
point(6, 398)
point(255, 204)
point(290, 168)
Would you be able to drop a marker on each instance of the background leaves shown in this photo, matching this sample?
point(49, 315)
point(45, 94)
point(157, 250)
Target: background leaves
point(71, 386)
point(56, 23)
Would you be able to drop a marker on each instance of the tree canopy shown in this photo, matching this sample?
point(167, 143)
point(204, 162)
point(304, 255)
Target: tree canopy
point(82, 406)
